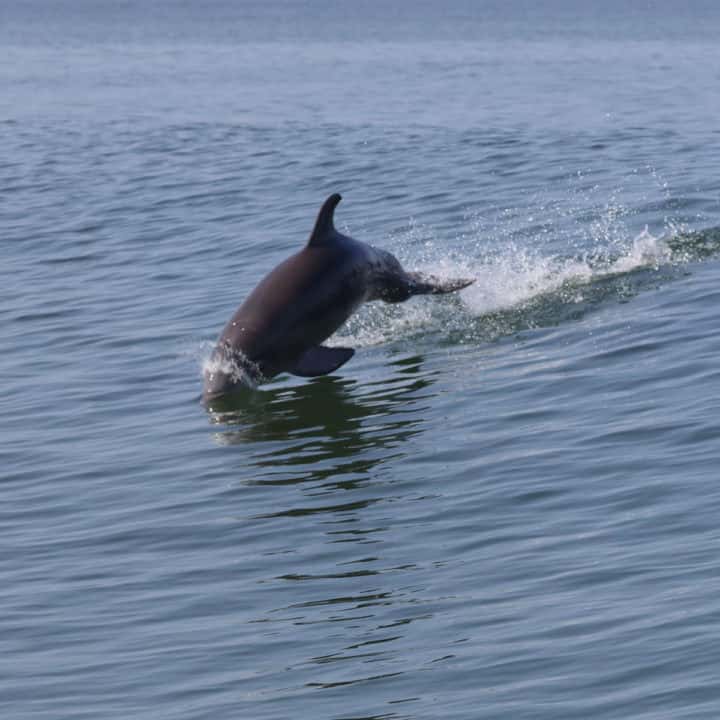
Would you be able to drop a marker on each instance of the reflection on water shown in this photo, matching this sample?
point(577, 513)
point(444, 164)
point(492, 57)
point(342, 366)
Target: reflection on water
point(317, 452)
point(329, 427)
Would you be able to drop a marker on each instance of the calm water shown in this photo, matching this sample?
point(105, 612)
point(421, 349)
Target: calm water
point(505, 506)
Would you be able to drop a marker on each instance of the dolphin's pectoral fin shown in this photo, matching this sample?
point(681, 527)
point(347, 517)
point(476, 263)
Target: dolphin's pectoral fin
point(321, 360)
point(430, 285)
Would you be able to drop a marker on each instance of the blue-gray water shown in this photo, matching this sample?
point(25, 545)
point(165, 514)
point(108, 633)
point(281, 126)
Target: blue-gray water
point(505, 506)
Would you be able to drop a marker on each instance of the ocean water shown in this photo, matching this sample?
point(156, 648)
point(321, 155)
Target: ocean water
point(505, 506)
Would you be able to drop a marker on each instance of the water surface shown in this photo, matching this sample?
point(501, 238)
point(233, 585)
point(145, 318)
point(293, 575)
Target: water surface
point(504, 506)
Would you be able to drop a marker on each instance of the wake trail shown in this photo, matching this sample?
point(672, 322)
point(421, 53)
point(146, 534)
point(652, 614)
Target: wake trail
point(517, 276)
point(515, 288)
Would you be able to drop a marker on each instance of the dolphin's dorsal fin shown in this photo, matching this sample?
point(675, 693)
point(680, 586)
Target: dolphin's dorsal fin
point(324, 228)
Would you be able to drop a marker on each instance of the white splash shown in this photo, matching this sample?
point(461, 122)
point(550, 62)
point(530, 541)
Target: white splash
point(513, 279)
point(377, 323)
point(646, 251)
point(505, 278)
point(516, 276)
point(235, 365)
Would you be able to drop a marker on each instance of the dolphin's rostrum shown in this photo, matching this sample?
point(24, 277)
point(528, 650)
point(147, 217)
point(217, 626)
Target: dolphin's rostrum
point(281, 325)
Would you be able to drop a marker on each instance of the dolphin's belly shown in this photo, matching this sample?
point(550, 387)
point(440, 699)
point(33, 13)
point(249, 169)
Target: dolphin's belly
point(298, 306)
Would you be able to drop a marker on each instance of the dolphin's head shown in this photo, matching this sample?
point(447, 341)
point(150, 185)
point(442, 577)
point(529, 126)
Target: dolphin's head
point(228, 371)
point(392, 283)
point(388, 279)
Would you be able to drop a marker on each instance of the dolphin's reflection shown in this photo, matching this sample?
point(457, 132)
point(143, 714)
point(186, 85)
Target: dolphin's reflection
point(328, 427)
point(328, 557)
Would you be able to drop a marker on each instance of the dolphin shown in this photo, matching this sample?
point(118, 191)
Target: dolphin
point(282, 324)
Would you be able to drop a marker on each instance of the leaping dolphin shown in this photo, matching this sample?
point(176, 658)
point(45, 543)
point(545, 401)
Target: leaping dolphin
point(304, 300)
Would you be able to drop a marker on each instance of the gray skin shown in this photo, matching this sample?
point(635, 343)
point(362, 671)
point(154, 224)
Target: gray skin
point(304, 300)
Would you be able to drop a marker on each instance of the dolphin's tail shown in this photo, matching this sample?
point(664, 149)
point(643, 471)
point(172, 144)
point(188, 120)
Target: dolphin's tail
point(430, 285)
